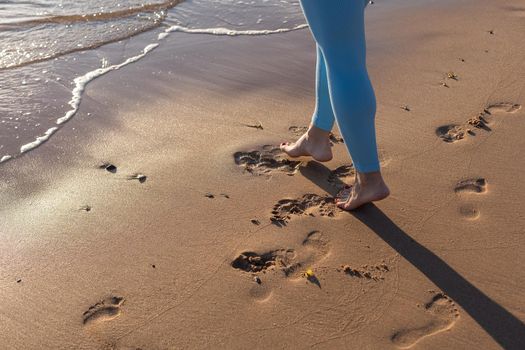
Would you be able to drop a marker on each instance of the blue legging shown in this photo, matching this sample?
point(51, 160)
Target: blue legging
point(344, 91)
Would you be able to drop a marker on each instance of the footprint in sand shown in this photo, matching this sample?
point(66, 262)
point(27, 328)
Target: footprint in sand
point(314, 248)
point(502, 107)
point(300, 130)
point(105, 310)
point(451, 132)
point(444, 315)
point(317, 245)
point(265, 161)
point(456, 132)
point(476, 185)
point(470, 186)
point(310, 204)
point(291, 262)
point(469, 212)
point(254, 262)
point(367, 272)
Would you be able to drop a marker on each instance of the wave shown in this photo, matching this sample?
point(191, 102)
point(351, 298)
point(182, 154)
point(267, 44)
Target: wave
point(233, 32)
point(80, 82)
point(102, 22)
point(67, 51)
point(93, 17)
point(80, 85)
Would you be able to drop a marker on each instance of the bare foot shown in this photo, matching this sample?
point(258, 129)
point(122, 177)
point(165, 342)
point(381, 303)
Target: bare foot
point(368, 188)
point(315, 143)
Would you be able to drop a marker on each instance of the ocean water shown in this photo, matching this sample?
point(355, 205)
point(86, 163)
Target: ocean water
point(51, 49)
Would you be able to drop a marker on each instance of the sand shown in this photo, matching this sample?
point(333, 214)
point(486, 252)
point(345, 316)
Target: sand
point(176, 246)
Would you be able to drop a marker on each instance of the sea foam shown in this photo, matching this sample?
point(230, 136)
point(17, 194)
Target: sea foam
point(39, 140)
point(5, 158)
point(80, 85)
point(81, 82)
point(232, 32)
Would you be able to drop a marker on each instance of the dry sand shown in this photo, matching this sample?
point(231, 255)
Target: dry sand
point(92, 259)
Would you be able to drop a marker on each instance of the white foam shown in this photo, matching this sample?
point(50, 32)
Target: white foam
point(82, 81)
point(5, 158)
point(80, 85)
point(39, 140)
point(232, 32)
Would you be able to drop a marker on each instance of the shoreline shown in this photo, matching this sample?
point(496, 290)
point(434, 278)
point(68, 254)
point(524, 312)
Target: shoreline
point(439, 252)
point(34, 84)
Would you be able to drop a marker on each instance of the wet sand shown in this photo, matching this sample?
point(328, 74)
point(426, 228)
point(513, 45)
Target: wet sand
point(158, 218)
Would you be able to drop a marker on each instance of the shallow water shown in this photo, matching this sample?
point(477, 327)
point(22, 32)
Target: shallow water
point(50, 50)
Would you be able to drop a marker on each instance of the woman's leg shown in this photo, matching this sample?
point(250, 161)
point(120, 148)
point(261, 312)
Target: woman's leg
point(323, 117)
point(338, 28)
point(315, 142)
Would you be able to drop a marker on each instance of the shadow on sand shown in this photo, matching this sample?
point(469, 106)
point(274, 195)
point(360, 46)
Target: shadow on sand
point(505, 328)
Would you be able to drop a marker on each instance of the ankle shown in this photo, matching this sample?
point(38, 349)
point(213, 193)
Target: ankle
point(370, 179)
point(316, 134)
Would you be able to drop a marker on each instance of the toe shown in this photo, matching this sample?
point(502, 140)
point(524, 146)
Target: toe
point(343, 205)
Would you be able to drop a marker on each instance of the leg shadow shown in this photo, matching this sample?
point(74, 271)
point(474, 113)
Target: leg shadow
point(505, 328)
